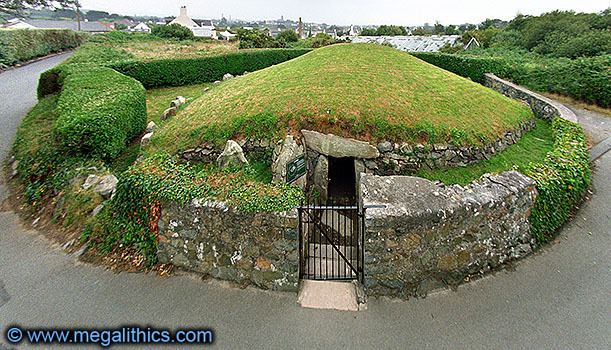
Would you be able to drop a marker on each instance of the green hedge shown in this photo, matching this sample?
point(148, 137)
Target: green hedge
point(561, 179)
point(19, 45)
point(178, 72)
point(100, 110)
point(586, 79)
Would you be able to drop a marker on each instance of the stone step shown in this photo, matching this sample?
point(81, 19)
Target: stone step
point(330, 295)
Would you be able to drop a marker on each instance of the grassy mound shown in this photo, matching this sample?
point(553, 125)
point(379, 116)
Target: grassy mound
point(365, 91)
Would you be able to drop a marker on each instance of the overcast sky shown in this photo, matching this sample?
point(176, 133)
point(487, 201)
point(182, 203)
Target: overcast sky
point(345, 12)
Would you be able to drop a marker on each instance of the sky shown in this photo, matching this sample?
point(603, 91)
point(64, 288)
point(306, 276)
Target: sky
point(346, 12)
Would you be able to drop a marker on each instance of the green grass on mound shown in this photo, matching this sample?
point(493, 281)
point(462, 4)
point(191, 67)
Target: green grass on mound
point(531, 148)
point(365, 91)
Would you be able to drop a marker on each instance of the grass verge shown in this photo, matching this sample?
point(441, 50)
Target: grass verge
point(531, 148)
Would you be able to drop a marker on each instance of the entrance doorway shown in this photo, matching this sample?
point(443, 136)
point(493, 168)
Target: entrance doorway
point(342, 181)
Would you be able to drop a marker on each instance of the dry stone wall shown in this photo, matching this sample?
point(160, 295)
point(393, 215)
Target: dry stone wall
point(542, 106)
point(430, 235)
point(218, 241)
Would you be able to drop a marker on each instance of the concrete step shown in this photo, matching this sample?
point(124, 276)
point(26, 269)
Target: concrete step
point(329, 295)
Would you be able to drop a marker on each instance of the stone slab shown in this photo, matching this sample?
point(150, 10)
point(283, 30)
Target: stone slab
point(334, 146)
point(329, 295)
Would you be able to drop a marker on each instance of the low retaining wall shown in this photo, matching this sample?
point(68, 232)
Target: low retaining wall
point(542, 106)
point(218, 241)
point(391, 158)
point(430, 235)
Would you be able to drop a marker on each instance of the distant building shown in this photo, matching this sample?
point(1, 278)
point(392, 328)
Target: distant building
point(432, 43)
point(226, 35)
point(184, 20)
point(16, 23)
point(472, 44)
point(91, 27)
point(203, 30)
point(300, 30)
point(141, 28)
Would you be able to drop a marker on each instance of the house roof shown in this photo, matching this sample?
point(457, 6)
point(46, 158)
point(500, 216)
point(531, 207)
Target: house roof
point(206, 23)
point(411, 43)
point(53, 24)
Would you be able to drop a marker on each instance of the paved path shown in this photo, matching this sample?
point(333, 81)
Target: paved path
point(557, 299)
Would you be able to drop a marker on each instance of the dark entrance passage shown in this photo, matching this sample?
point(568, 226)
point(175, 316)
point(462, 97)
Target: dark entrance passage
point(342, 181)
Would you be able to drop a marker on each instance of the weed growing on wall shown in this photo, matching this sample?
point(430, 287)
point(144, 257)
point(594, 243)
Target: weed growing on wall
point(561, 179)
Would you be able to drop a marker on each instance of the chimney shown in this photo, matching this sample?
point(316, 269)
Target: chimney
point(183, 11)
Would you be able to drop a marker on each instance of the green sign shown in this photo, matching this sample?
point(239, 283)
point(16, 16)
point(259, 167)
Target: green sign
point(295, 169)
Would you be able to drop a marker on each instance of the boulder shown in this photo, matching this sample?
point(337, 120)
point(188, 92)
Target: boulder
point(107, 186)
point(14, 168)
point(145, 140)
point(175, 104)
point(181, 99)
point(91, 181)
point(97, 209)
point(232, 155)
point(338, 147)
point(151, 127)
point(217, 82)
point(228, 76)
point(385, 147)
point(283, 153)
point(168, 113)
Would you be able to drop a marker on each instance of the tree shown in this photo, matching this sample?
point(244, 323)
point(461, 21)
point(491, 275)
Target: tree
point(287, 36)
point(485, 37)
point(97, 15)
point(320, 40)
point(368, 32)
point(420, 31)
point(18, 6)
point(438, 28)
point(254, 38)
point(173, 31)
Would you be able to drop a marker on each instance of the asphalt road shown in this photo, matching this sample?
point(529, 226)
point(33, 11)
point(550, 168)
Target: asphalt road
point(557, 299)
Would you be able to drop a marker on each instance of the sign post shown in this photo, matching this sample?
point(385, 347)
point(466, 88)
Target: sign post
point(295, 169)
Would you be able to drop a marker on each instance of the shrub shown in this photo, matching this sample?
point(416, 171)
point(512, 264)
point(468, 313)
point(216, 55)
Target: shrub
point(561, 179)
point(255, 39)
point(587, 79)
point(18, 45)
point(177, 72)
point(173, 31)
point(99, 111)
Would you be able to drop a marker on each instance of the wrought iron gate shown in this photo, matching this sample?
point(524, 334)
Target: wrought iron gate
point(331, 242)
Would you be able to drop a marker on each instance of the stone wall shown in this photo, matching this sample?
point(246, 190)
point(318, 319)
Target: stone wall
point(220, 242)
point(431, 235)
point(406, 159)
point(542, 106)
point(208, 152)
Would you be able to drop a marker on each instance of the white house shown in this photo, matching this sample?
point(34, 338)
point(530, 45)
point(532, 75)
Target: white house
point(226, 35)
point(184, 20)
point(205, 30)
point(141, 28)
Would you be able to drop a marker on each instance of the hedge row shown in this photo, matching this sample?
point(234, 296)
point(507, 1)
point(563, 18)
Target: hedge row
point(586, 79)
point(561, 179)
point(100, 110)
point(19, 45)
point(178, 72)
